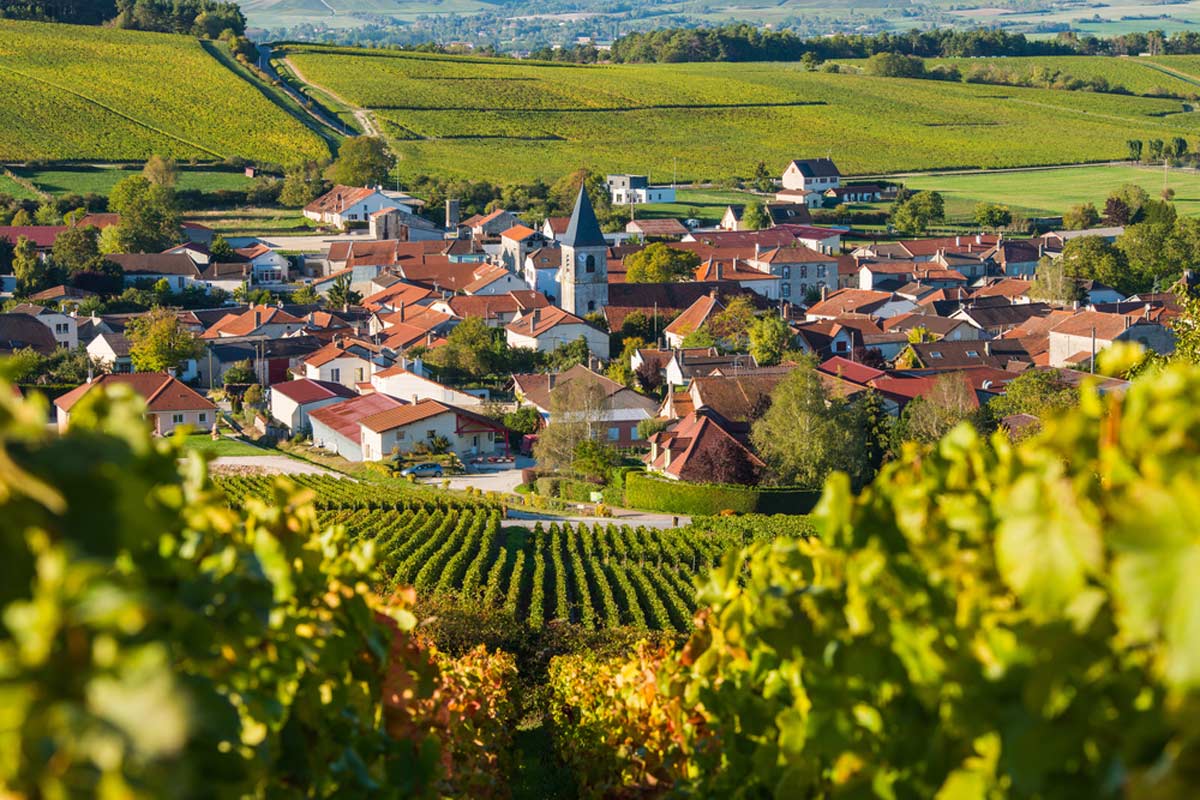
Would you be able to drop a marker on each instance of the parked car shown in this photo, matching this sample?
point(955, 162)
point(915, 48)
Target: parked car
point(426, 470)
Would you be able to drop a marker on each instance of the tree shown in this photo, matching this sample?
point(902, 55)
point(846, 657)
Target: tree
point(1081, 217)
point(770, 337)
point(917, 213)
point(577, 411)
point(524, 421)
point(731, 325)
point(1093, 258)
point(930, 417)
point(621, 367)
point(341, 295)
point(1154, 149)
point(302, 183)
point(660, 263)
point(1131, 197)
point(725, 462)
point(806, 434)
point(700, 337)
point(240, 372)
point(561, 195)
point(47, 214)
point(220, 249)
point(1148, 253)
point(1041, 393)
point(361, 161)
point(1053, 284)
point(77, 250)
point(1135, 149)
point(31, 272)
point(161, 171)
point(305, 296)
point(763, 181)
point(472, 351)
point(992, 216)
point(21, 219)
point(894, 65)
point(649, 378)
point(158, 342)
point(593, 460)
point(149, 216)
point(754, 217)
point(569, 354)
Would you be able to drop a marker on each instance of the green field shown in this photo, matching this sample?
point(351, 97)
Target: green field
point(1051, 192)
point(101, 180)
point(83, 93)
point(13, 189)
point(508, 121)
point(1142, 76)
point(203, 443)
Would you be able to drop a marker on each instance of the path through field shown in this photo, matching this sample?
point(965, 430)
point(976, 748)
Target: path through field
point(264, 63)
point(281, 465)
point(362, 115)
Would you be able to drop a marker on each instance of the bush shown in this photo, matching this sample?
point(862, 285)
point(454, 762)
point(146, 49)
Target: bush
point(678, 497)
point(547, 487)
point(577, 491)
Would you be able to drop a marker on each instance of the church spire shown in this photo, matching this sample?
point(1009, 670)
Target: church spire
point(583, 230)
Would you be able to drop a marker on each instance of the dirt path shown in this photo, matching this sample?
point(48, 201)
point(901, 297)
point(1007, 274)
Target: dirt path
point(280, 465)
point(331, 122)
point(361, 115)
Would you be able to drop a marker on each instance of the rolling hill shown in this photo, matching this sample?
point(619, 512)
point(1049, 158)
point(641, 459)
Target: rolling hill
point(84, 93)
point(512, 121)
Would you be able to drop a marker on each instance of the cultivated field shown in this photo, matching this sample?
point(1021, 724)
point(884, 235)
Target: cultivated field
point(101, 180)
point(1051, 192)
point(1143, 76)
point(76, 93)
point(509, 121)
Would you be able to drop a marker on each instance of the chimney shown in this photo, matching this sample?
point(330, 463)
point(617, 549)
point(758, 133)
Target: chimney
point(987, 348)
point(666, 455)
point(452, 213)
point(1126, 322)
point(1146, 312)
point(824, 292)
point(537, 317)
point(550, 380)
point(978, 239)
point(757, 249)
point(400, 311)
point(958, 241)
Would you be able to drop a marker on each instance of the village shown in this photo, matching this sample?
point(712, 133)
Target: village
point(464, 339)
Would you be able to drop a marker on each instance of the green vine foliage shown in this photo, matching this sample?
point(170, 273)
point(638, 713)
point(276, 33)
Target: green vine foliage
point(156, 643)
point(984, 620)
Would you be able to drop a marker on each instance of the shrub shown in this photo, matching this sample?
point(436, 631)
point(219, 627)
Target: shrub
point(547, 487)
point(679, 497)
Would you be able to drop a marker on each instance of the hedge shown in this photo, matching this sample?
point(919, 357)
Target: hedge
point(679, 497)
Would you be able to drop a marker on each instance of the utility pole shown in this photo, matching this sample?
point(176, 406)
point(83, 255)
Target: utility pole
point(1093, 370)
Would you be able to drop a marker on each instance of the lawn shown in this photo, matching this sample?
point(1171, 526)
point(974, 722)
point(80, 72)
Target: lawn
point(253, 221)
point(13, 189)
point(508, 121)
point(101, 180)
point(203, 443)
point(706, 205)
point(1051, 192)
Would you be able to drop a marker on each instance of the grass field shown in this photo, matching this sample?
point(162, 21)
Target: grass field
point(13, 189)
point(252, 221)
point(1137, 75)
point(83, 93)
point(706, 205)
point(1051, 192)
point(508, 121)
point(203, 443)
point(101, 180)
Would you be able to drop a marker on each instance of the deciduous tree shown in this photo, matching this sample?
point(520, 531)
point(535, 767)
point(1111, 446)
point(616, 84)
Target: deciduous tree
point(660, 263)
point(158, 342)
point(361, 161)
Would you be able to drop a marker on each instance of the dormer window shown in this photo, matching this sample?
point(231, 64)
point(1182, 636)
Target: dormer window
point(934, 354)
point(972, 354)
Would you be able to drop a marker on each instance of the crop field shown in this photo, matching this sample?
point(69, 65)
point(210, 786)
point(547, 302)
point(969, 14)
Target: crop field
point(82, 93)
point(1051, 192)
point(101, 180)
point(512, 121)
point(598, 576)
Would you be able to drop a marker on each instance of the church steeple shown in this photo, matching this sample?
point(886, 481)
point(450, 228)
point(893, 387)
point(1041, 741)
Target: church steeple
point(583, 229)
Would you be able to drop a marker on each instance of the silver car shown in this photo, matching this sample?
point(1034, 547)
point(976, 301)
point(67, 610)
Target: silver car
point(426, 470)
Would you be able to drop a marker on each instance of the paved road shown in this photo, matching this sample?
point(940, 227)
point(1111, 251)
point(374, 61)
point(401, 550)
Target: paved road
point(281, 465)
point(317, 113)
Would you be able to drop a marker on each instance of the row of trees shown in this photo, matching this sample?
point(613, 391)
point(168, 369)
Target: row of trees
point(206, 18)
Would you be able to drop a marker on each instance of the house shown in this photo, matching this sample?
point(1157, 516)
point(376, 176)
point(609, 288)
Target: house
point(998, 319)
point(800, 269)
point(336, 428)
point(777, 214)
point(267, 265)
point(623, 407)
point(395, 224)
point(1016, 258)
point(345, 361)
point(855, 193)
point(859, 301)
point(404, 381)
point(63, 326)
point(741, 272)
point(170, 403)
point(544, 329)
point(342, 205)
point(803, 197)
point(518, 242)
point(813, 174)
point(495, 310)
point(952, 330)
point(826, 337)
point(1055, 241)
point(657, 229)
point(823, 240)
point(693, 318)
point(176, 269)
point(1096, 293)
point(493, 280)
point(947, 355)
point(491, 225)
point(20, 331)
point(689, 449)
point(112, 351)
point(269, 322)
point(1077, 340)
point(686, 364)
point(554, 227)
point(627, 190)
point(292, 401)
point(399, 429)
point(740, 399)
point(541, 270)
point(273, 360)
point(62, 294)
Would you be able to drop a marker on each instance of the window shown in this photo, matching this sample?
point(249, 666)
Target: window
point(359, 374)
point(614, 434)
point(787, 273)
point(803, 271)
point(589, 263)
point(335, 375)
point(177, 419)
point(972, 354)
point(204, 417)
point(591, 305)
point(786, 289)
point(821, 271)
point(399, 435)
point(430, 434)
point(934, 354)
point(840, 346)
point(61, 327)
point(491, 436)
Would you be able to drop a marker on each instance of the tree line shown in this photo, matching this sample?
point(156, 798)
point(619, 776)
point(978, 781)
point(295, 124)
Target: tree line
point(207, 18)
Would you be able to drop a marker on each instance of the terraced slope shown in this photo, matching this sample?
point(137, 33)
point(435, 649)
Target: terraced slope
point(509, 121)
point(82, 93)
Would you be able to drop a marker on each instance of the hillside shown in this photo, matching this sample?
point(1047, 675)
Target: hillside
point(84, 93)
point(510, 121)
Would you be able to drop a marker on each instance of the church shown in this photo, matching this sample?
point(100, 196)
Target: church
point(583, 273)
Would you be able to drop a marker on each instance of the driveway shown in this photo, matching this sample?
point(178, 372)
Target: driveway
point(496, 478)
point(280, 465)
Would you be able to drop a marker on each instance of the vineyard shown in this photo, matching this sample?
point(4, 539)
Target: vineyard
point(448, 115)
point(75, 93)
point(596, 576)
point(1142, 76)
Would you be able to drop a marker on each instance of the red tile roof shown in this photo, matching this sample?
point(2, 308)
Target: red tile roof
point(160, 391)
point(343, 418)
point(695, 315)
point(305, 390)
point(338, 199)
point(539, 321)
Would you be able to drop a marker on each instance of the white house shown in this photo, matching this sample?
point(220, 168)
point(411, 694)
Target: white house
point(636, 189)
point(812, 174)
point(292, 401)
point(64, 327)
point(399, 429)
point(348, 204)
point(170, 403)
point(268, 266)
point(544, 329)
point(541, 270)
point(111, 350)
point(336, 426)
point(399, 381)
point(338, 362)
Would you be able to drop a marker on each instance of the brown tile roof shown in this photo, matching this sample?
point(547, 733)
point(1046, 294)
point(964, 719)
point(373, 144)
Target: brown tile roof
point(1107, 326)
point(849, 301)
point(18, 331)
point(657, 227)
point(695, 315)
point(305, 390)
point(689, 439)
point(485, 276)
point(155, 264)
point(518, 233)
point(338, 199)
point(539, 321)
point(249, 321)
point(160, 391)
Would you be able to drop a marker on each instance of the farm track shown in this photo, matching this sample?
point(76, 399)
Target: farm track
point(362, 115)
point(603, 109)
point(120, 114)
point(1174, 73)
point(331, 122)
